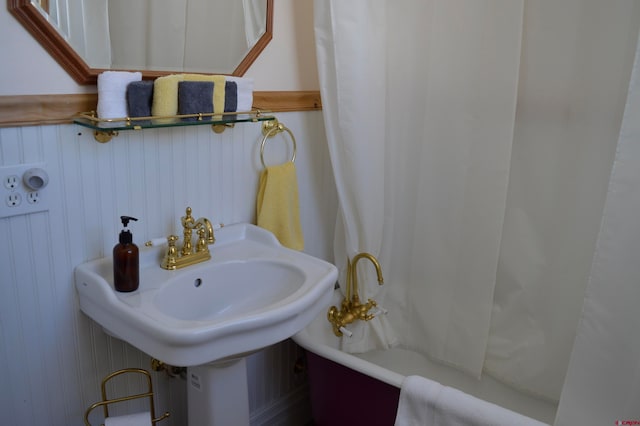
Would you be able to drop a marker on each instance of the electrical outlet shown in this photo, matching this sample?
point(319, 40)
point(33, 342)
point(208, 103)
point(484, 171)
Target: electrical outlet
point(11, 182)
point(33, 197)
point(14, 199)
point(17, 198)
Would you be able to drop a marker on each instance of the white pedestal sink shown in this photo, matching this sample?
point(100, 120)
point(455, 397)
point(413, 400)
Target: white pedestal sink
point(251, 294)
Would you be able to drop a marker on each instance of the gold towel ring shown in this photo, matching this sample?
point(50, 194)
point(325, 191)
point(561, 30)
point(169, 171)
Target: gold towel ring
point(273, 130)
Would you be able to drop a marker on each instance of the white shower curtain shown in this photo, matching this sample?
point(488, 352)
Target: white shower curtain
point(576, 61)
point(443, 119)
point(180, 35)
point(603, 381)
point(471, 143)
point(147, 34)
point(255, 19)
point(354, 84)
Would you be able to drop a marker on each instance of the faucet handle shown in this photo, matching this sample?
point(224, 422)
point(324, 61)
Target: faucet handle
point(156, 242)
point(170, 259)
point(202, 244)
point(345, 331)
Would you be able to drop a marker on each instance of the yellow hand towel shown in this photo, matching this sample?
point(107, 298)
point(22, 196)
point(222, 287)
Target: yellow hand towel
point(277, 205)
point(165, 95)
point(165, 92)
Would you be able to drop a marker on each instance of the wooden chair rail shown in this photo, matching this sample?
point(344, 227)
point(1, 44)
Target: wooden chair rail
point(36, 110)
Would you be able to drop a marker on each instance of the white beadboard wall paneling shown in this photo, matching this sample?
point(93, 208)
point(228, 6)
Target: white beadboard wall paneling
point(6, 335)
point(69, 365)
point(16, 388)
point(55, 356)
point(180, 189)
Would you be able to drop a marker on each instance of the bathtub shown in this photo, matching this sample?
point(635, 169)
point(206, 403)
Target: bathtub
point(353, 389)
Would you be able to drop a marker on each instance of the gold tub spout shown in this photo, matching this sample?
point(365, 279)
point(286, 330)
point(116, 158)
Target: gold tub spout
point(354, 272)
point(351, 309)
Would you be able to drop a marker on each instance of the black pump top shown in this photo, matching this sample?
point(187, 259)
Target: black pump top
point(125, 220)
point(125, 234)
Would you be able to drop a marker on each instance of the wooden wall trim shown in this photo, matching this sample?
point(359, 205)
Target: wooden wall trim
point(36, 110)
point(287, 101)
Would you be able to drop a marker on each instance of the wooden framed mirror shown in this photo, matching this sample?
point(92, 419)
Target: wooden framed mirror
point(35, 16)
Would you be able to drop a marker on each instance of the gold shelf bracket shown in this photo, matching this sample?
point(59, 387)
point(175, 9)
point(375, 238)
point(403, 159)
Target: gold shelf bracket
point(219, 128)
point(104, 136)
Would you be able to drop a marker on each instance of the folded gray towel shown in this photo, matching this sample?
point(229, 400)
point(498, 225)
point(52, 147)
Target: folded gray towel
point(195, 97)
point(230, 99)
point(139, 98)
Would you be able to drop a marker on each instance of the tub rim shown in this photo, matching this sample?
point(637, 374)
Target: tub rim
point(304, 339)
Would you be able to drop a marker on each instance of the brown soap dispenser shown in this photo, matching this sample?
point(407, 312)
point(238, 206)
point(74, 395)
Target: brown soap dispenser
point(126, 263)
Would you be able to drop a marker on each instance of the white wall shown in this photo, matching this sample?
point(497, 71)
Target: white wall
point(26, 68)
point(54, 356)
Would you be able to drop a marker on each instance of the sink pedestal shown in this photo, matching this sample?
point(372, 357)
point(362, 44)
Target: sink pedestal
point(218, 394)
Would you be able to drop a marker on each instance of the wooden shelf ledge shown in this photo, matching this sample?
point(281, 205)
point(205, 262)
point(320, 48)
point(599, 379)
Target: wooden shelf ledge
point(37, 110)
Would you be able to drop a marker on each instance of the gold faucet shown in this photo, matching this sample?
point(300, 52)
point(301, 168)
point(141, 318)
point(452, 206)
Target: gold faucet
point(176, 259)
point(351, 308)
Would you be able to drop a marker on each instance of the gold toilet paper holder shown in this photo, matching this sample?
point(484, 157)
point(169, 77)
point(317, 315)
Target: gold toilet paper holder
point(106, 401)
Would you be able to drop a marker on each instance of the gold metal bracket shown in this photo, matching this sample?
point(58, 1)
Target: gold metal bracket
point(272, 127)
point(104, 137)
point(171, 370)
point(219, 128)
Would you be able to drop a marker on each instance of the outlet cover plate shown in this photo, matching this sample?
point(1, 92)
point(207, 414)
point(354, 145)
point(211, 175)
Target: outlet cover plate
point(17, 198)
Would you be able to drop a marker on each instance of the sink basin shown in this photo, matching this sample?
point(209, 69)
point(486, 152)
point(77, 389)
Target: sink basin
point(251, 294)
point(222, 291)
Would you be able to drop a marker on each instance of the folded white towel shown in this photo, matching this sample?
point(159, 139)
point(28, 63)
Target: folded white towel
point(425, 402)
point(138, 419)
point(417, 398)
point(112, 93)
point(245, 92)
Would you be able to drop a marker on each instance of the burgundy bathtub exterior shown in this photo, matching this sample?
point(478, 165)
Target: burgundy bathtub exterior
point(341, 396)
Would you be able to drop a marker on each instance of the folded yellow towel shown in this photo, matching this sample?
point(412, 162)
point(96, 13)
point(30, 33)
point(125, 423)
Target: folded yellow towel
point(165, 92)
point(165, 95)
point(218, 88)
point(277, 205)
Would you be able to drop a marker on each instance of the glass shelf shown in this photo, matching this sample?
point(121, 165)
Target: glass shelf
point(104, 130)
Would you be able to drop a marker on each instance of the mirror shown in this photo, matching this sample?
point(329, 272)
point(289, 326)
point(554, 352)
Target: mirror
point(156, 37)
